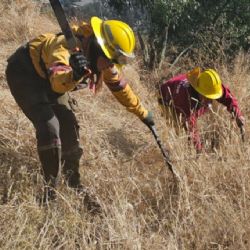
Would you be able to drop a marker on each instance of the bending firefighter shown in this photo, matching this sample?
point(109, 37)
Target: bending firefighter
point(188, 96)
point(41, 73)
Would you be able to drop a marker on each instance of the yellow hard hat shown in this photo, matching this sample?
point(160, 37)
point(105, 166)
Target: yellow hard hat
point(207, 83)
point(116, 38)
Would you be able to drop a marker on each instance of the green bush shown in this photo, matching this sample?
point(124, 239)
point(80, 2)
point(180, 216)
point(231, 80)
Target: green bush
point(215, 28)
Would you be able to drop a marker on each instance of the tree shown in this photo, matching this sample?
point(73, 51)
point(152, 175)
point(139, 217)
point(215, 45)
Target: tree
point(207, 26)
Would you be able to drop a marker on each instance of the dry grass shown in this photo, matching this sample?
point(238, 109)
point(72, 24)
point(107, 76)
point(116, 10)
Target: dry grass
point(145, 209)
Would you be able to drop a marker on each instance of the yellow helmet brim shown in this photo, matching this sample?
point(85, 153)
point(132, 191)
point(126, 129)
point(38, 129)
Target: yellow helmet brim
point(207, 83)
point(96, 24)
point(213, 96)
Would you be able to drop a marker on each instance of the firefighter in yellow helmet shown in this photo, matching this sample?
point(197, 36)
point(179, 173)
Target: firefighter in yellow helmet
point(186, 97)
point(41, 73)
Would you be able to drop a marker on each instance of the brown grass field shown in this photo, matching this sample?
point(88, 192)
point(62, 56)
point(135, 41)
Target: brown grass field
point(144, 207)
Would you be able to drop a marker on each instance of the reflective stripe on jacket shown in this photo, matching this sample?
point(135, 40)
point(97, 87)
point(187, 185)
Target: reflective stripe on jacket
point(50, 56)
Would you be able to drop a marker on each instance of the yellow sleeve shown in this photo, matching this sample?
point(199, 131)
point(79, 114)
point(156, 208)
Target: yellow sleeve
point(83, 29)
point(123, 92)
point(56, 57)
point(133, 104)
point(62, 80)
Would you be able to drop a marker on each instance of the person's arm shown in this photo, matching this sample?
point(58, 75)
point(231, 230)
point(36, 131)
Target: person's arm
point(57, 57)
point(123, 92)
point(231, 103)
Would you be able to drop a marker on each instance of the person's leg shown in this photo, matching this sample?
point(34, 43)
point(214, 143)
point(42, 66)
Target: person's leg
point(49, 148)
point(69, 134)
point(72, 152)
point(29, 92)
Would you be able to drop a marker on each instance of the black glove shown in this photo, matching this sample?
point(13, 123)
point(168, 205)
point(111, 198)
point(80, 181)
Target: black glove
point(79, 64)
point(148, 120)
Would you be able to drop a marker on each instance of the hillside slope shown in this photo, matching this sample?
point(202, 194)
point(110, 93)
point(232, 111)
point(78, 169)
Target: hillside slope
point(144, 207)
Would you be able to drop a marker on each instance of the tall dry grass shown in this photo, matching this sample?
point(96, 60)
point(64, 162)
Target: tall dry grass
point(20, 21)
point(144, 207)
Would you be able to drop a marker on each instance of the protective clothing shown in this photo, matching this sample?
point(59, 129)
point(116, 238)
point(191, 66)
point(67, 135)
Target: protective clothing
point(51, 164)
point(51, 169)
point(39, 76)
point(207, 83)
point(57, 130)
point(50, 58)
point(71, 163)
point(81, 30)
point(179, 96)
point(79, 65)
point(149, 121)
point(116, 38)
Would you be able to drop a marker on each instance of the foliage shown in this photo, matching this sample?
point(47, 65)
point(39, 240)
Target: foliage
point(203, 25)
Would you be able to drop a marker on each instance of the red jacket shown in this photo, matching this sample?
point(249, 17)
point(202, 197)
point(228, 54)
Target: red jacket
point(178, 93)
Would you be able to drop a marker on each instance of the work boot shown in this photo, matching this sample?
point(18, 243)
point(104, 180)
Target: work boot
point(51, 166)
point(71, 167)
point(72, 178)
point(90, 200)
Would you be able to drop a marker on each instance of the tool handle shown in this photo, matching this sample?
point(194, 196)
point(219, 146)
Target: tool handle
point(242, 132)
point(64, 25)
point(164, 153)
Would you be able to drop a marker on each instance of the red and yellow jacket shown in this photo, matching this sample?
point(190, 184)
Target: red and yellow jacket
point(50, 57)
